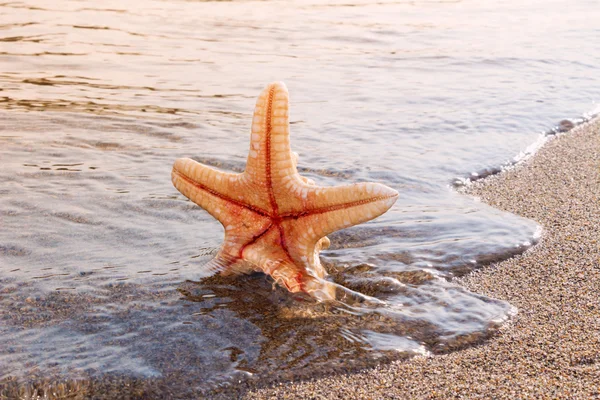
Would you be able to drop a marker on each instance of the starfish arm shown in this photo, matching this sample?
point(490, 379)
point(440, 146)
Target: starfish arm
point(270, 158)
point(279, 263)
point(339, 207)
point(213, 190)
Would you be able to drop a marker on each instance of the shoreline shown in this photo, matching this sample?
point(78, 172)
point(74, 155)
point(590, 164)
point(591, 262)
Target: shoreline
point(461, 184)
point(551, 348)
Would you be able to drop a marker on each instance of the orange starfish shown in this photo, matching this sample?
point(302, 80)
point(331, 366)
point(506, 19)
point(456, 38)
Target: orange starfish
point(275, 220)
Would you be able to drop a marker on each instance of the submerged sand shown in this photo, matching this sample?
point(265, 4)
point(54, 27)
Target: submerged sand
point(551, 349)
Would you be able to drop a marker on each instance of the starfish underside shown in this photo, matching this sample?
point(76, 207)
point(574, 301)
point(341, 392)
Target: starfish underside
point(275, 220)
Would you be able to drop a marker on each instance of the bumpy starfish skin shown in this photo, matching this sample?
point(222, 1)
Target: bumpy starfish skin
point(275, 220)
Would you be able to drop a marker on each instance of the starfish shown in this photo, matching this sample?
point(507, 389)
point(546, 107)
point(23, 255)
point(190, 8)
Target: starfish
point(275, 220)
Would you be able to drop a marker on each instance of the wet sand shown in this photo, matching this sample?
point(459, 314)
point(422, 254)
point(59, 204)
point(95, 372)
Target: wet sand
point(551, 349)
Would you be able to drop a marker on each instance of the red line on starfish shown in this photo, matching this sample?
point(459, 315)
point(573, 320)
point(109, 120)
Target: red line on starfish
point(268, 128)
point(275, 209)
point(254, 239)
point(335, 207)
point(282, 241)
point(200, 186)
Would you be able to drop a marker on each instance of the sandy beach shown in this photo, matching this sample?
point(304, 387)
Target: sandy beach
point(551, 348)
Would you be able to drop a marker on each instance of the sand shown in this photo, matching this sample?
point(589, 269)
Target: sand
point(551, 348)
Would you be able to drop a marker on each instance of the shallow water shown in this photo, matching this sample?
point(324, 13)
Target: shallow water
point(97, 101)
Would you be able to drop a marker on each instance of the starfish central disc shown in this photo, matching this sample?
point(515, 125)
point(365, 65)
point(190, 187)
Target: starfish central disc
point(275, 220)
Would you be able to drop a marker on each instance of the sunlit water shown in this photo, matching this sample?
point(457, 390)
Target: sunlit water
point(97, 99)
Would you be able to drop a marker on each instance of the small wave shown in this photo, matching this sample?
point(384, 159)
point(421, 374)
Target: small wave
point(563, 126)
